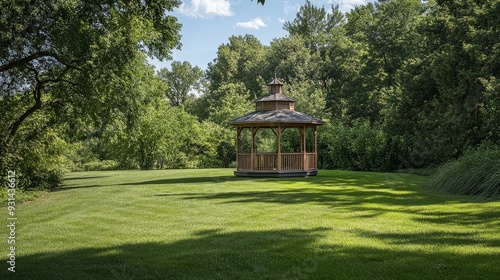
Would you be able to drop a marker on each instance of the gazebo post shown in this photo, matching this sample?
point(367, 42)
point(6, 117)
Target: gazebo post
point(238, 133)
point(252, 151)
point(304, 157)
point(316, 147)
point(279, 147)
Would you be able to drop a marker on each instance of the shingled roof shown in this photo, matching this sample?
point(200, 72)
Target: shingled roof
point(275, 81)
point(274, 108)
point(273, 97)
point(276, 116)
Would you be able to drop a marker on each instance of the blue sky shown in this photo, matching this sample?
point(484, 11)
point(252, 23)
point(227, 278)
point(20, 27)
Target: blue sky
point(207, 24)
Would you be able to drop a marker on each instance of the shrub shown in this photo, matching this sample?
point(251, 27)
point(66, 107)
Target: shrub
point(101, 165)
point(360, 147)
point(476, 173)
point(80, 154)
point(38, 161)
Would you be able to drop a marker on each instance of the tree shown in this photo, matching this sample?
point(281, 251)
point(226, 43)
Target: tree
point(37, 152)
point(69, 53)
point(312, 23)
point(238, 61)
point(340, 69)
point(163, 137)
point(232, 103)
point(309, 98)
point(71, 61)
point(385, 36)
point(181, 81)
point(291, 60)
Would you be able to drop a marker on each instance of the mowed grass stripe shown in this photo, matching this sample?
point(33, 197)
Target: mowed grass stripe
point(207, 224)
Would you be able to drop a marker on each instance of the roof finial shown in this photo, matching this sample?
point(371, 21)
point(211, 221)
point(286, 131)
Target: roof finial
point(275, 75)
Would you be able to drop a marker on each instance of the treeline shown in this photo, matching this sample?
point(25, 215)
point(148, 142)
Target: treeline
point(400, 84)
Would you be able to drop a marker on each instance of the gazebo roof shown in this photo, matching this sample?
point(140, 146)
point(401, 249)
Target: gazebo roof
point(276, 116)
point(275, 108)
point(275, 81)
point(273, 97)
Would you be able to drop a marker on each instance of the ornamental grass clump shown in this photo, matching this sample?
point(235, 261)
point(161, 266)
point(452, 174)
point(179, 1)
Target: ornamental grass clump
point(476, 173)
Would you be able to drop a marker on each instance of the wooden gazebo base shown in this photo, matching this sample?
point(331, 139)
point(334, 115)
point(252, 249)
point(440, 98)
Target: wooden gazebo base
point(275, 174)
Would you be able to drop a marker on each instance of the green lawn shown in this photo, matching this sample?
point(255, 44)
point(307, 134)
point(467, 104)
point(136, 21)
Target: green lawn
point(207, 224)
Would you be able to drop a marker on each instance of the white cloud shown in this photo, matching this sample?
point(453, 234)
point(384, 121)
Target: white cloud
point(282, 21)
point(347, 5)
point(290, 8)
point(253, 24)
point(206, 8)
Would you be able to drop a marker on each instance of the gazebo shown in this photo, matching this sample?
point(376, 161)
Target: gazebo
point(275, 112)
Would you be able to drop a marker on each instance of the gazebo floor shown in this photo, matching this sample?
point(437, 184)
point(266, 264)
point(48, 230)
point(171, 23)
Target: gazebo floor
point(275, 174)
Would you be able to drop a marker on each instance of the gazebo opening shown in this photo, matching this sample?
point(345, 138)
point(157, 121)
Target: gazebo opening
point(275, 140)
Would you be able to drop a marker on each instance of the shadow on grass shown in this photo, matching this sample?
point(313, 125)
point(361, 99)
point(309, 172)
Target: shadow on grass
point(338, 178)
point(367, 194)
point(65, 187)
point(365, 203)
point(274, 254)
point(84, 178)
point(468, 218)
point(334, 197)
point(438, 238)
point(186, 180)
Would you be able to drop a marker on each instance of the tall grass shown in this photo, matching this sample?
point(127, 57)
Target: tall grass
point(476, 173)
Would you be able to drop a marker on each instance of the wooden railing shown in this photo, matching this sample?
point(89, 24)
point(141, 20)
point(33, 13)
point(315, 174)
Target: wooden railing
point(292, 161)
point(269, 161)
point(244, 161)
point(265, 161)
point(311, 161)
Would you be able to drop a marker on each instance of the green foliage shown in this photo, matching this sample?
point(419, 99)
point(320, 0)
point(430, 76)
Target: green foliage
point(491, 109)
point(447, 103)
point(290, 141)
point(154, 142)
point(85, 156)
point(313, 23)
point(308, 98)
point(240, 60)
point(291, 60)
point(37, 152)
point(38, 161)
point(77, 50)
point(385, 37)
point(72, 62)
point(182, 80)
point(265, 141)
point(476, 173)
point(406, 83)
point(80, 153)
point(168, 137)
point(216, 145)
point(360, 147)
point(100, 165)
point(231, 102)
